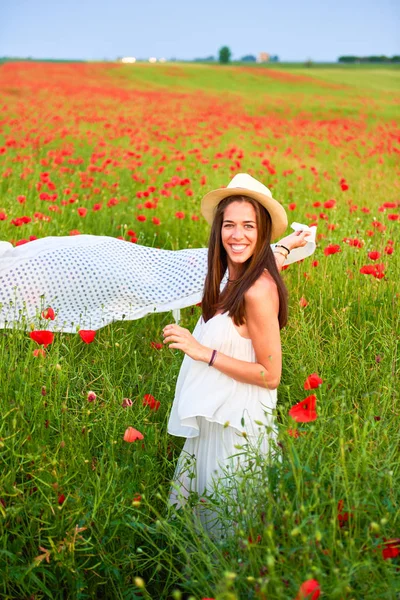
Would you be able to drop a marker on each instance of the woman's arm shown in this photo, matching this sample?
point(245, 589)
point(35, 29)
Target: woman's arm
point(262, 306)
point(280, 258)
point(298, 239)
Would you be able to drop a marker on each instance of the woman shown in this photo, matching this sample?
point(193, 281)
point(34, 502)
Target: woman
point(227, 386)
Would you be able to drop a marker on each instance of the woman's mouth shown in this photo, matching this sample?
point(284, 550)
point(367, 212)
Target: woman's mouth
point(238, 248)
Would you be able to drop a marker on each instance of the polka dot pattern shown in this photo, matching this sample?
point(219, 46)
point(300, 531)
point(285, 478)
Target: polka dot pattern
point(92, 282)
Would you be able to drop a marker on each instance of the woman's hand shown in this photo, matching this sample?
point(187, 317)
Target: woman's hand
point(182, 339)
point(297, 239)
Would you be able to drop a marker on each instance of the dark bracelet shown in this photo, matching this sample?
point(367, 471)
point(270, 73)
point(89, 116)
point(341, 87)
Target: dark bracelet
point(282, 246)
point(212, 359)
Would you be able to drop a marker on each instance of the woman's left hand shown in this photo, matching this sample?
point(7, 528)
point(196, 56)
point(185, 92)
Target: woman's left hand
point(297, 239)
point(182, 339)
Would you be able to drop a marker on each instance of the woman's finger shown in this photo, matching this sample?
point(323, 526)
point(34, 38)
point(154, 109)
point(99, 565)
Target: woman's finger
point(171, 338)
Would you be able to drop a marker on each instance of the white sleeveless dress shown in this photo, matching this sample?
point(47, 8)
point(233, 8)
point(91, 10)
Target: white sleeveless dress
point(213, 411)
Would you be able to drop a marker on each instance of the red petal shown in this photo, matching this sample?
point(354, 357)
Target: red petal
point(312, 382)
point(87, 335)
point(44, 338)
point(132, 434)
point(309, 590)
point(304, 411)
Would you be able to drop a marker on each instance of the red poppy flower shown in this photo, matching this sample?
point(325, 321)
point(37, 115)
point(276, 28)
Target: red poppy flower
point(256, 541)
point(87, 335)
point(304, 411)
point(355, 243)
point(44, 338)
point(391, 549)
point(329, 203)
point(312, 382)
point(309, 590)
point(376, 270)
point(343, 517)
point(149, 400)
point(295, 433)
point(374, 255)
point(61, 499)
point(82, 211)
point(332, 249)
point(303, 302)
point(49, 314)
point(39, 352)
point(156, 345)
point(368, 270)
point(132, 434)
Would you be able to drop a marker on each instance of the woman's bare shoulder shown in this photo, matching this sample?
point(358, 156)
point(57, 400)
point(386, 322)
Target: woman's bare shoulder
point(265, 284)
point(263, 291)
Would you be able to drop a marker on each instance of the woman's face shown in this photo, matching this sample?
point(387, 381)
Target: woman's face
point(239, 232)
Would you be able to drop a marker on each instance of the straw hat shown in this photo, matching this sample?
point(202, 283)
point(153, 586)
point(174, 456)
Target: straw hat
point(245, 185)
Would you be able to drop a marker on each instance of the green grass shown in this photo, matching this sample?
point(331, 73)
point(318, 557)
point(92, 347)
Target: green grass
point(353, 88)
point(71, 523)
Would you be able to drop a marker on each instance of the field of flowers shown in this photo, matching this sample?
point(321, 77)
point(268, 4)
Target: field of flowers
point(128, 151)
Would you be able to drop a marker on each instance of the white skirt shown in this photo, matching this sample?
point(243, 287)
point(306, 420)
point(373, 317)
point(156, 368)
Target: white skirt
point(211, 464)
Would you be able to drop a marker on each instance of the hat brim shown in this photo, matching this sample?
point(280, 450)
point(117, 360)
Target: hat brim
point(278, 214)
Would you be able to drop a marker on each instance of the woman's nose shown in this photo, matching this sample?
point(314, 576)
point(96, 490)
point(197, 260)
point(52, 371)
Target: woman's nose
point(237, 233)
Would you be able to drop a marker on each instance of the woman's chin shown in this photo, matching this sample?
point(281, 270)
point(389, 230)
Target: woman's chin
point(239, 259)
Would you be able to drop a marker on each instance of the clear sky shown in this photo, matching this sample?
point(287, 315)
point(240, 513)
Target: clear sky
point(106, 29)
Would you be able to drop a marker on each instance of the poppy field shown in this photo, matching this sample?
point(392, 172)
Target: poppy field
point(86, 462)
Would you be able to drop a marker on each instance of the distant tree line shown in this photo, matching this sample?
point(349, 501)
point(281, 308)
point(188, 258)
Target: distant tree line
point(369, 59)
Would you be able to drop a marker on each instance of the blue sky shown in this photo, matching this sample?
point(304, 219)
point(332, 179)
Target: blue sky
point(294, 30)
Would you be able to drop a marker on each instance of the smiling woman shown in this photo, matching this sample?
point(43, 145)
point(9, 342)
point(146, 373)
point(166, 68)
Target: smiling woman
point(238, 236)
point(227, 386)
point(92, 280)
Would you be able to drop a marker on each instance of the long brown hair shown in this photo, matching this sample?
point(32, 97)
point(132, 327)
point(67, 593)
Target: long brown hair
point(231, 300)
